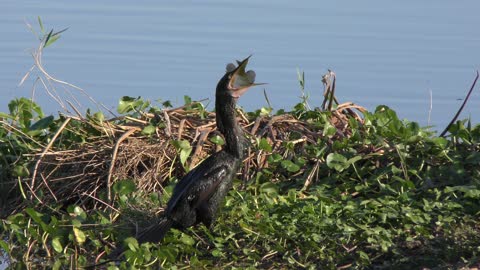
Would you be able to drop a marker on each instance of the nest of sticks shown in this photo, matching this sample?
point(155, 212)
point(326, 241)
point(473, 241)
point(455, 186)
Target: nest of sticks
point(86, 172)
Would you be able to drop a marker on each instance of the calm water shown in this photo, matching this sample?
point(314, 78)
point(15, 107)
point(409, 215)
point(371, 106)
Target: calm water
point(383, 52)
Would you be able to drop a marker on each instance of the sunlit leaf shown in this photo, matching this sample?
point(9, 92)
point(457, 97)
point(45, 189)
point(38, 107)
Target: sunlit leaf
point(337, 161)
point(149, 130)
point(99, 116)
point(217, 140)
point(79, 235)
point(128, 104)
point(57, 245)
point(4, 246)
point(131, 243)
point(187, 240)
point(78, 211)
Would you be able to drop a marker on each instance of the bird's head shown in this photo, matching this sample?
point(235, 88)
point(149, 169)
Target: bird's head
point(236, 80)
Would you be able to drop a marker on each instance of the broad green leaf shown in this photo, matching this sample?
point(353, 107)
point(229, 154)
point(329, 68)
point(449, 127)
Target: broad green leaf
point(4, 246)
point(21, 171)
point(329, 130)
point(149, 130)
point(124, 187)
point(290, 166)
point(128, 104)
point(353, 160)
point(216, 253)
point(264, 145)
point(51, 40)
point(36, 216)
point(184, 154)
point(184, 149)
point(42, 123)
point(265, 111)
point(79, 235)
point(337, 161)
point(217, 140)
point(269, 188)
point(181, 144)
point(131, 243)
point(78, 211)
point(187, 100)
point(187, 240)
point(275, 157)
point(57, 245)
point(99, 116)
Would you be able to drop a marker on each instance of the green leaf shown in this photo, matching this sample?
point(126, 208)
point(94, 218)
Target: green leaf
point(21, 171)
point(57, 245)
point(265, 111)
point(290, 166)
point(47, 39)
point(78, 211)
point(79, 235)
point(264, 145)
point(149, 130)
point(275, 157)
point(41, 24)
point(216, 253)
point(42, 123)
point(128, 104)
point(57, 265)
point(51, 40)
point(187, 100)
point(184, 154)
point(131, 243)
point(36, 216)
point(329, 130)
point(99, 116)
point(124, 187)
point(269, 188)
point(337, 162)
point(184, 149)
point(4, 246)
point(218, 140)
point(187, 240)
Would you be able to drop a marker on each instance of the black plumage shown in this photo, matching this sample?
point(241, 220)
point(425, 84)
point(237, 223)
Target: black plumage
point(198, 195)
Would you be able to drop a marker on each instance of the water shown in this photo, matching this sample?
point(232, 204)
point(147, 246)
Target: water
point(383, 52)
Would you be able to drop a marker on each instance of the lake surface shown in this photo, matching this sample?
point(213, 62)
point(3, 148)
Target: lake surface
point(383, 52)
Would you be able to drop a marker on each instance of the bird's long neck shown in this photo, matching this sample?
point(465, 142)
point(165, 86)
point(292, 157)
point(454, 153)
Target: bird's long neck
point(228, 126)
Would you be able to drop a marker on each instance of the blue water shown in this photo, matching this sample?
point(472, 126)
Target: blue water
point(383, 52)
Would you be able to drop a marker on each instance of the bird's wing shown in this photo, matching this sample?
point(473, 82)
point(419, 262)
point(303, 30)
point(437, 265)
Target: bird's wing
point(184, 185)
point(200, 183)
point(207, 185)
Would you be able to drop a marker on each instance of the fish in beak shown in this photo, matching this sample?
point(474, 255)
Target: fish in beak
point(240, 80)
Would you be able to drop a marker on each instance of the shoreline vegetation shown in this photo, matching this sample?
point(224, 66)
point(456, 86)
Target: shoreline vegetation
point(333, 187)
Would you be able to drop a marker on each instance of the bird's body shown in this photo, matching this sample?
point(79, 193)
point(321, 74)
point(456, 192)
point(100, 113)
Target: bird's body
point(198, 195)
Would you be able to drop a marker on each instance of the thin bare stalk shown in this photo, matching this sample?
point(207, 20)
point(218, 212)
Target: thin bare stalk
point(461, 107)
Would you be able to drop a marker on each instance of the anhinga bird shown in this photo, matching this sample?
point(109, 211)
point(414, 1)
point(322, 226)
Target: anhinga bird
point(198, 195)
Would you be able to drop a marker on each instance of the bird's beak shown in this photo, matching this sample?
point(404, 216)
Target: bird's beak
point(241, 80)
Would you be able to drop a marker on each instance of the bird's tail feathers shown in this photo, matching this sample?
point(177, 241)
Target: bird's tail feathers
point(155, 232)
